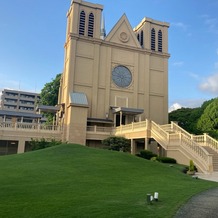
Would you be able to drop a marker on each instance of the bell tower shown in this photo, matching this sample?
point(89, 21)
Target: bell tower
point(84, 19)
point(153, 35)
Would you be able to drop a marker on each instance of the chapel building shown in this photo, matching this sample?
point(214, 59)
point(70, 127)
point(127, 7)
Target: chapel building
point(111, 79)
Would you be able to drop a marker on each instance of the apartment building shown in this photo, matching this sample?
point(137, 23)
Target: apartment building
point(19, 106)
point(13, 100)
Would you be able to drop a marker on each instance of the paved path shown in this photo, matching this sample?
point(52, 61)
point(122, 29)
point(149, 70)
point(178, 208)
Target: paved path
point(210, 177)
point(203, 205)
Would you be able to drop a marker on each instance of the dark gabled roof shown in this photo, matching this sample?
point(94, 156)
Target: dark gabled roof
point(19, 114)
point(98, 120)
point(46, 108)
point(127, 110)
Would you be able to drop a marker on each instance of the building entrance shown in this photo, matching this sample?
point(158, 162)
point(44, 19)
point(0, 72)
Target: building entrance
point(123, 120)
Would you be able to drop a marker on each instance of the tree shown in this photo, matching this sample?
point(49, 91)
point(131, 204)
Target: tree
point(208, 122)
point(186, 118)
point(117, 143)
point(199, 120)
point(49, 94)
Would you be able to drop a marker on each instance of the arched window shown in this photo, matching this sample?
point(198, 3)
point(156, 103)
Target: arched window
point(82, 21)
point(153, 39)
point(138, 37)
point(160, 41)
point(142, 38)
point(91, 25)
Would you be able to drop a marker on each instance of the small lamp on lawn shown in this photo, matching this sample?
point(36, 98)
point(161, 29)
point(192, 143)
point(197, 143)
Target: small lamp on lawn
point(149, 198)
point(156, 196)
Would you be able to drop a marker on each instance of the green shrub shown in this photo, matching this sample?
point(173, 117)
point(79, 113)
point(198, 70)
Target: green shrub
point(117, 143)
point(185, 169)
point(191, 166)
point(154, 159)
point(37, 144)
point(147, 154)
point(166, 160)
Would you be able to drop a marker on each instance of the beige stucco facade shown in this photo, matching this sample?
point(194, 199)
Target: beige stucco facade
point(91, 59)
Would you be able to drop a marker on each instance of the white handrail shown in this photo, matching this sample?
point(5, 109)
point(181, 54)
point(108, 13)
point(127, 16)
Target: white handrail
point(29, 127)
point(178, 136)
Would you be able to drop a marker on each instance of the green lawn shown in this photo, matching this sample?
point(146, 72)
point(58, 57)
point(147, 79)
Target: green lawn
point(77, 181)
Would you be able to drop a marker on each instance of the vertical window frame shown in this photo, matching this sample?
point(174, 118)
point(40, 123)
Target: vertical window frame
point(91, 25)
point(160, 41)
point(153, 39)
point(82, 23)
point(142, 38)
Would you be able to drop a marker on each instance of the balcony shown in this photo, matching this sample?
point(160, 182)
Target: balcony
point(30, 97)
point(8, 101)
point(10, 95)
point(98, 132)
point(29, 127)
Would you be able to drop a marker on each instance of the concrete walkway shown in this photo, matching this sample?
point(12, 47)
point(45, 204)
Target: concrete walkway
point(203, 205)
point(211, 176)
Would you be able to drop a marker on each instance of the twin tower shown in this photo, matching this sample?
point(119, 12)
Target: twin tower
point(114, 79)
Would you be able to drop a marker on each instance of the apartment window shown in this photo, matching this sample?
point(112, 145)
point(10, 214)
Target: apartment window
point(11, 94)
point(142, 38)
point(27, 96)
point(138, 37)
point(153, 39)
point(10, 107)
point(91, 25)
point(160, 41)
point(82, 23)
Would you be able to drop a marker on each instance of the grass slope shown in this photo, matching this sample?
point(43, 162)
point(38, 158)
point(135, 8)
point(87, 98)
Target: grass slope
point(76, 181)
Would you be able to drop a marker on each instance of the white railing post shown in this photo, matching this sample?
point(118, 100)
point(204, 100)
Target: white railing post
point(210, 163)
point(148, 124)
point(171, 124)
point(205, 139)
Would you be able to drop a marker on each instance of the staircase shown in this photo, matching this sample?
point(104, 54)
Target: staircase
point(214, 157)
point(177, 142)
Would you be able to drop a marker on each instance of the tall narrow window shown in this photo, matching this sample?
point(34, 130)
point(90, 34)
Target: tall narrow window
point(153, 39)
point(142, 38)
point(91, 25)
point(160, 41)
point(82, 20)
point(138, 37)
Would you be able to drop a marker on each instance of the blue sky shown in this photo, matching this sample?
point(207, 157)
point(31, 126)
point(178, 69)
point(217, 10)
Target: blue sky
point(32, 36)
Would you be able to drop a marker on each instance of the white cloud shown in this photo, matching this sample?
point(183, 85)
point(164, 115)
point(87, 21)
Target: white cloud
point(211, 84)
point(211, 23)
point(178, 64)
point(194, 75)
point(180, 25)
point(174, 107)
point(9, 83)
point(216, 65)
point(186, 103)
